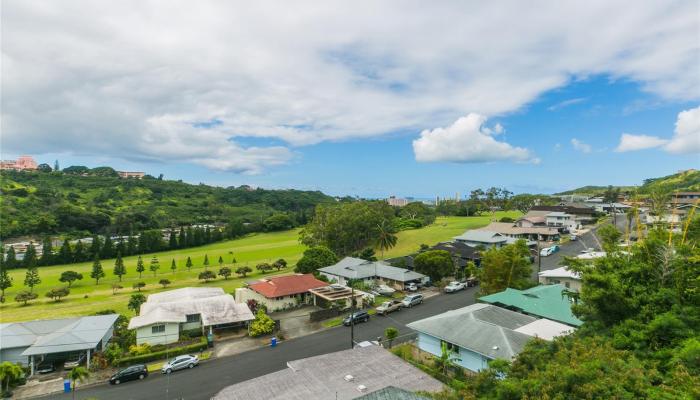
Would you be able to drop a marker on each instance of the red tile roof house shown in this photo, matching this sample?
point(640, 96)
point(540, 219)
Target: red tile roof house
point(281, 292)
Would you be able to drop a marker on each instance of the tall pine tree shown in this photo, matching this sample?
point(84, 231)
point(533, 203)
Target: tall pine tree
point(139, 266)
point(119, 269)
point(182, 241)
point(11, 259)
point(154, 266)
point(131, 246)
point(65, 254)
point(107, 248)
point(95, 247)
point(30, 260)
point(79, 253)
point(172, 243)
point(31, 278)
point(97, 272)
point(46, 252)
point(188, 264)
point(173, 266)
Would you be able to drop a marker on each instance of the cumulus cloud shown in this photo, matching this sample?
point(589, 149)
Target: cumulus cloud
point(95, 77)
point(581, 146)
point(686, 137)
point(630, 142)
point(467, 140)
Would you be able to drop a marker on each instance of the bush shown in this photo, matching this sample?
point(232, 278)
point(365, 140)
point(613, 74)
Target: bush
point(140, 349)
point(193, 348)
point(113, 352)
point(506, 219)
point(191, 333)
point(262, 325)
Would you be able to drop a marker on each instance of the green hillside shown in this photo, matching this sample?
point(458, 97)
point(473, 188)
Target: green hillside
point(40, 203)
point(688, 180)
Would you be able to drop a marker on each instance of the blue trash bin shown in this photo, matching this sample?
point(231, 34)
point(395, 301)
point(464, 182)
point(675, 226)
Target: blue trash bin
point(66, 386)
point(273, 342)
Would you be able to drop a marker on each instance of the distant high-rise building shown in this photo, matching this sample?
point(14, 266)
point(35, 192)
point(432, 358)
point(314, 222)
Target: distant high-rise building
point(396, 202)
point(20, 164)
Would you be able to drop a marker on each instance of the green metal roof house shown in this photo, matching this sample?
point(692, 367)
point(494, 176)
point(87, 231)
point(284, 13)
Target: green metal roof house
point(546, 301)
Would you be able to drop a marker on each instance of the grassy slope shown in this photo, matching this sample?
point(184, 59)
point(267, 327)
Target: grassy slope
point(442, 230)
point(686, 180)
point(251, 250)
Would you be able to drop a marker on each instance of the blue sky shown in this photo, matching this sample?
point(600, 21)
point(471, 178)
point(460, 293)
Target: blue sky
point(358, 98)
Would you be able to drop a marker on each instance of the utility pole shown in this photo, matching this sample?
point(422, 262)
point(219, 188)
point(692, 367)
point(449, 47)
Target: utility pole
point(352, 315)
point(539, 258)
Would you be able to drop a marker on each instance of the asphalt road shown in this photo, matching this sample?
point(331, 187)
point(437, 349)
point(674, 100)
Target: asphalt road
point(206, 380)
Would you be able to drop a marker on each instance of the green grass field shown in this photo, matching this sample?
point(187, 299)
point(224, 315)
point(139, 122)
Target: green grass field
point(444, 228)
point(86, 297)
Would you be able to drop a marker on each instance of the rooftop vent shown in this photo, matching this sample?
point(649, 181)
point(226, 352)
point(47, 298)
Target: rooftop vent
point(348, 378)
point(361, 388)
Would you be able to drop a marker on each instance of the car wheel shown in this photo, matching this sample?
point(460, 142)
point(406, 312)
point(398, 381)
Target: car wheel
point(116, 382)
point(410, 305)
point(190, 366)
point(142, 376)
point(167, 371)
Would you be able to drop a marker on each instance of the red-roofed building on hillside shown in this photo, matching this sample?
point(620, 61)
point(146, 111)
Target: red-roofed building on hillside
point(280, 292)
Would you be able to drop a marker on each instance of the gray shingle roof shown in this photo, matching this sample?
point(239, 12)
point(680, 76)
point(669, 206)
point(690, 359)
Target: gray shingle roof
point(482, 236)
point(482, 328)
point(356, 268)
point(392, 393)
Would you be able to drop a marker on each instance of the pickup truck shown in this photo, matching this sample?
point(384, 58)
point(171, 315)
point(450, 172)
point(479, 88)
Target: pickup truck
point(389, 306)
point(454, 287)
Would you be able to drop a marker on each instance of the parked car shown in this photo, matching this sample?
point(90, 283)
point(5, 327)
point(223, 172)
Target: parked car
point(454, 286)
point(412, 300)
point(472, 281)
point(180, 362)
point(74, 360)
point(385, 290)
point(356, 317)
point(547, 251)
point(389, 306)
point(45, 367)
point(131, 373)
point(573, 237)
point(555, 248)
point(412, 287)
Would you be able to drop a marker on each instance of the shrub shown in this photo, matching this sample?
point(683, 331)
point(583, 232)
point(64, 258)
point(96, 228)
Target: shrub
point(262, 325)
point(113, 352)
point(506, 219)
point(193, 348)
point(192, 333)
point(140, 349)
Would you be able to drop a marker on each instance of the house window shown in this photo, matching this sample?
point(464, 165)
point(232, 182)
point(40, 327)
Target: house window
point(193, 318)
point(158, 329)
point(450, 347)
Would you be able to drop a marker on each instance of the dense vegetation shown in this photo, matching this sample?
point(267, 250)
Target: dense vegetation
point(68, 202)
point(688, 180)
point(492, 199)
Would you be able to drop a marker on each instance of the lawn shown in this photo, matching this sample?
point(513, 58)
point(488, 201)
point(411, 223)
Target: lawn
point(444, 228)
point(86, 297)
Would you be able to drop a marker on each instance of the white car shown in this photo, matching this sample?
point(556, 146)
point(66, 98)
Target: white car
point(412, 287)
point(454, 286)
point(180, 362)
point(547, 251)
point(385, 290)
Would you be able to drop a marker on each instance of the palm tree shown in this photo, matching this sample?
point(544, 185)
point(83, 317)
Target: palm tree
point(386, 238)
point(75, 375)
point(8, 372)
point(448, 359)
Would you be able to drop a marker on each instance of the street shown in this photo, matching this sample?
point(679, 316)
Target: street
point(211, 376)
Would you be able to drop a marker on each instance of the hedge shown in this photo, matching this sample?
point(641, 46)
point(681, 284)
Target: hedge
point(144, 358)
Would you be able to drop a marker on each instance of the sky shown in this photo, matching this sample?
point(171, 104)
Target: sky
point(361, 98)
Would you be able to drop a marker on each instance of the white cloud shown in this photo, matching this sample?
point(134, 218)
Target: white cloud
point(630, 142)
point(467, 140)
point(91, 78)
point(686, 137)
point(566, 103)
point(581, 146)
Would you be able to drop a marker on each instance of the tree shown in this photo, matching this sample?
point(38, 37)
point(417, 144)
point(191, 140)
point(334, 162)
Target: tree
point(262, 325)
point(225, 272)
point(221, 261)
point(437, 264)
point(139, 285)
point(280, 264)
point(386, 238)
point(315, 258)
point(164, 282)
point(31, 278)
point(610, 237)
point(173, 266)
point(172, 242)
point(46, 252)
point(97, 272)
point(95, 247)
point(243, 271)
point(65, 254)
point(107, 248)
point(182, 239)
point(25, 296)
point(206, 276)
point(139, 266)
point(507, 267)
point(264, 268)
point(188, 264)
point(69, 277)
point(30, 260)
point(116, 287)
point(5, 283)
point(9, 372)
point(75, 375)
point(366, 254)
point(11, 259)
point(55, 166)
point(448, 359)
point(154, 266)
point(135, 302)
point(278, 222)
point(57, 293)
point(79, 253)
point(119, 268)
point(391, 333)
point(206, 261)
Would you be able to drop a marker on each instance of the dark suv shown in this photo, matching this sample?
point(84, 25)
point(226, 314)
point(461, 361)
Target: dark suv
point(129, 374)
point(357, 317)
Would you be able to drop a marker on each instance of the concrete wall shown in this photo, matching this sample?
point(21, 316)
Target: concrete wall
point(171, 334)
point(14, 355)
point(573, 284)
point(467, 358)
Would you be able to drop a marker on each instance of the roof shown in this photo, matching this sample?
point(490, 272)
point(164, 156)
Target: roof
point(546, 301)
point(213, 305)
point(558, 214)
point(534, 219)
point(561, 272)
point(286, 285)
point(392, 393)
point(56, 335)
point(507, 228)
point(566, 209)
point(357, 268)
point(481, 328)
point(482, 236)
point(326, 377)
point(545, 329)
point(460, 248)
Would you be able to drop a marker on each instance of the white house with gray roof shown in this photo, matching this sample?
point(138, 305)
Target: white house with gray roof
point(482, 332)
point(350, 268)
point(484, 238)
point(30, 342)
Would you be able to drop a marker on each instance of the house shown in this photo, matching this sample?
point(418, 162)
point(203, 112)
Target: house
point(484, 238)
point(544, 301)
point(20, 164)
point(685, 197)
point(371, 272)
point(511, 230)
point(31, 342)
point(167, 314)
point(280, 292)
point(482, 332)
point(131, 174)
point(392, 393)
point(461, 254)
point(563, 276)
point(583, 215)
point(560, 219)
point(338, 296)
point(532, 219)
point(343, 375)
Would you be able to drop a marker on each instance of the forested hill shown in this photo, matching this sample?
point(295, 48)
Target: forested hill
point(40, 203)
point(688, 180)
